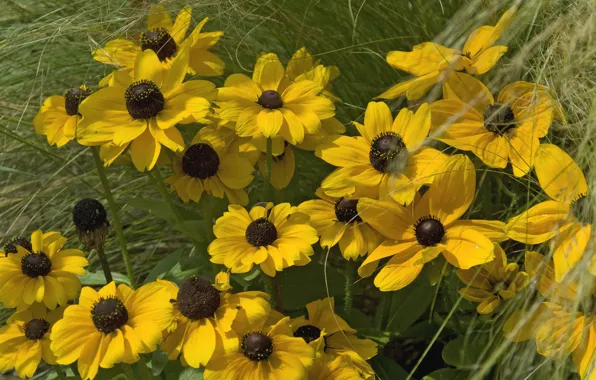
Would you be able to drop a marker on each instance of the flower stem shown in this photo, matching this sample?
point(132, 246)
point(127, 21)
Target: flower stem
point(433, 304)
point(348, 300)
point(115, 217)
point(104, 263)
point(59, 372)
point(208, 219)
point(273, 288)
point(269, 164)
point(384, 308)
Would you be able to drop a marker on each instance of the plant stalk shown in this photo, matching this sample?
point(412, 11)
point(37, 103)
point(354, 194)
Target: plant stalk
point(348, 297)
point(269, 164)
point(105, 266)
point(59, 372)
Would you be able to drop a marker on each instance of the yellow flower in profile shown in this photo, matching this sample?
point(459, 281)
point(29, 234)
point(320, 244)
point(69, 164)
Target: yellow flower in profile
point(268, 353)
point(111, 326)
point(282, 167)
point(269, 105)
point(387, 160)
point(418, 234)
point(431, 63)
point(25, 340)
point(497, 132)
point(206, 317)
point(58, 116)
point(562, 217)
point(337, 222)
point(332, 337)
point(210, 165)
point(340, 368)
point(167, 40)
point(42, 272)
point(273, 237)
point(142, 112)
point(492, 283)
point(11, 246)
point(303, 66)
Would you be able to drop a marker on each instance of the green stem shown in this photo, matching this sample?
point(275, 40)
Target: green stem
point(348, 299)
point(384, 308)
point(115, 217)
point(59, 372)
point(208, 219)
point(268, 166)
point(435, 297)
point(273, 288)
point(104, 263)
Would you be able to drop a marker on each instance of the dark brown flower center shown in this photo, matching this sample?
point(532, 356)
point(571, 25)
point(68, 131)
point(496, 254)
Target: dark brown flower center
point(198, 299)
point(89, 215)
point(388, 153)
point(257, 346)
point(345, 210)
point(74, 97)
point(200, 161)
point(143, 99)
point(429, 231)
point(11, 246)
point(499, 118)
point(261, 232)
point(270, 99)
point(36, 264)
point(109, 314)
point(308, 333)
point(35, 329)
point(160, 41)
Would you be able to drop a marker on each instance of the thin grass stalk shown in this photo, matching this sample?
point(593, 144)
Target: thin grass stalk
point(103, 260)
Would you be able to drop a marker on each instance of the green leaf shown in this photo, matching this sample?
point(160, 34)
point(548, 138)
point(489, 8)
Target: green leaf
point(446, 374)
point(387, 369)
point(159, 360)
point(466, 351)
point(11, 170)
point(98, 278)
point(191, 374)
point(407, 305)
point(164, 266)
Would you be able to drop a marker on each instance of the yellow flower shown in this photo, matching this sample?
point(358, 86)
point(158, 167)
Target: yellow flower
point(507, 130)
point(206, 319)
point(59, 114)
point(43, 272)
point(111, 326)
point(386, 160)
point(417, 234)
point(274, 237)
point(493, 282)
point(167, 39)
point(339, 368)
point(303, 66)
point(430, 63)
point(142, 112)
point(25, 340)
point(282, 167)
point(11, 246)
point(212, 166)
point(269, 105)
point(337, 222)
point(269, 353)
point(331, 336)
point(561, 217)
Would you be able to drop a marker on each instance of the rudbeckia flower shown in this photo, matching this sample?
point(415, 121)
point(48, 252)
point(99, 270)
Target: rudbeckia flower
point(206, 318)
point(303, 66)
point(561, 217)
point(25, 340)
point(209, 165)
point(507, 130)
point(431, 63)
point(386, 160)
point(492, 283)
point(42, 272)
point(58, 116)
point(274, 237)
point(331, 336)
point(142, 112)
point(269, 105)
point(111, 326)
point(11, 246)
point(337, 222)
point(418, 234)
point(268, 353)
point(282, 168)
point(167, 40)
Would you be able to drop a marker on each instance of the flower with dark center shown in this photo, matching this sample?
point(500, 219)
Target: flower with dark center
point(261, 232)
point(36, 264)
point(429, 231)
point(74, 97)
point(256, 346)
point(198, 299)
point(143, 99)
point(388, 153)
point(90, 219)
point(270, 99)
point(345, 210)
point(499, 118)
point(308, 333)
point(200, 161)
point(580, 207)
point(160, 41)
point(35, 329)
point(109, 314)
point(11, 246)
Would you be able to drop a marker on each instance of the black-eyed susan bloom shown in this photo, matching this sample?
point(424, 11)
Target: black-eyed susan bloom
point(273, 237)
point(111, 326)
point(386, 160)
point(210, 165)
point(207, 316)
point(268, 353)
point(418, 234)
point(11, 246)
point(492, 283)
point(42, 272)
point(331, 336)
point(269, 105)
point(431, 63)
point(25, 340)
point(303, 66)
point(141, 112)
point(58, 116)
point(167, 39)
point(337, 222)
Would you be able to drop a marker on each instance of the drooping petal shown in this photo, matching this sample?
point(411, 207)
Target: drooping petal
point(466, 247)
point(559, 176)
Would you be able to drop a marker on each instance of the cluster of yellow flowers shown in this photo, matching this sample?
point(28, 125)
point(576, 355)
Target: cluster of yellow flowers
point(393, 200)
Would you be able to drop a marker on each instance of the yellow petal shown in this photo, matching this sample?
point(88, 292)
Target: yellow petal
point(268, 72)
point(391, 219)
point(468, 90)
point(486, 60)
point(583, 357)
point(181, 24)
point(145, 151)
point(492, 149)
point(522, 151)
point(344, 151)
point(269, 122)
point(175, 75)
point(413, 128)
point(559, 176)
point(423, 59)
point(377, 119)
point(569, 250)
point(148, 67)
point(539, 223)
point(466, 247)
point(159, 18)
point(200, 334)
